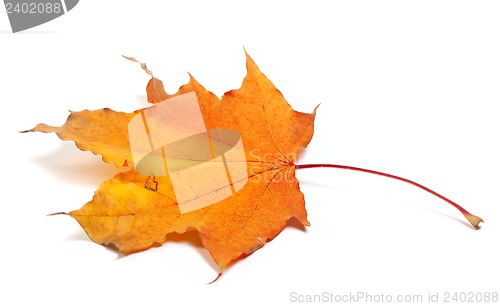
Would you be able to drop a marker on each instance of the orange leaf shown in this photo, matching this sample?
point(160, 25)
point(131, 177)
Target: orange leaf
point(135, 210)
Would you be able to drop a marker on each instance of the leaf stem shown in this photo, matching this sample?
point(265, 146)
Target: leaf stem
point(474, 220)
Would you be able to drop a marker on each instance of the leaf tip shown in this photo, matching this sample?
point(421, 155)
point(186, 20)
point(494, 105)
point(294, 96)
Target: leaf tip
point(143, 65)
point(57, 213)
point(250, 63)
point(216, 279)
point(44, 128)
point(130, 58)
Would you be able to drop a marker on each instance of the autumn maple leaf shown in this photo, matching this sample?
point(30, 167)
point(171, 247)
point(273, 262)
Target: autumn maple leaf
point(235, 169)
point(132, 217)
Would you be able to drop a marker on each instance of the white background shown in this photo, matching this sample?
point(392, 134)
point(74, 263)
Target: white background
point(409, 88)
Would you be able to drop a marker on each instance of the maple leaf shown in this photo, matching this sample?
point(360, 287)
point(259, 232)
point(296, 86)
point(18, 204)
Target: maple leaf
point(235, 169)
point(133, 215)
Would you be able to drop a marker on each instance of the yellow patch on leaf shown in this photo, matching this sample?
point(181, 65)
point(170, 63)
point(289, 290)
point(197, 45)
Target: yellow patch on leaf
point(103, 131)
